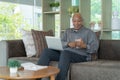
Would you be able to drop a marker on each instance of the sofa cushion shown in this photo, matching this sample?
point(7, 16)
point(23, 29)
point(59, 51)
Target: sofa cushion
point(28, 43)
point(39, 40)
point(25, 59)
point(32, 59)
point(95, 70)
point(109, 50)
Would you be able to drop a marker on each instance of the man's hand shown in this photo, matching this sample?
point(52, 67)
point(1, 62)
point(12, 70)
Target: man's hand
point(80, 43)
point(72, 44)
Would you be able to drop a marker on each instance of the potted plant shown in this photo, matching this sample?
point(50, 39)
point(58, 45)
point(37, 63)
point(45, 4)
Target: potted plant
point(73, 9)
point(13, 65)
point(54, 5)
point(57, 4)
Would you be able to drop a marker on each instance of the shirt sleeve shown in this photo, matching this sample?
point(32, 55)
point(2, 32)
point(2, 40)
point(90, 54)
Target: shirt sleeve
point(93, 43)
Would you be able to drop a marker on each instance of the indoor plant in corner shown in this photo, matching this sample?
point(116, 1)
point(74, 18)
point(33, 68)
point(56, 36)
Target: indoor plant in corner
point(13, 65)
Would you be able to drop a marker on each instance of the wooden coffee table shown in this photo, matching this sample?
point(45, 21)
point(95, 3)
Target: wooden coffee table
point(29, 74)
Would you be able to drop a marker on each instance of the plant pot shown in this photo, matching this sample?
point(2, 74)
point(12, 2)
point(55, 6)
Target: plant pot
point(58, 8)
point(13, 69)
point(13, 74)
point(53, 8)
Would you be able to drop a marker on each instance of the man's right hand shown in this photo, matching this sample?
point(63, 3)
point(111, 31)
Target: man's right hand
point(72, 44)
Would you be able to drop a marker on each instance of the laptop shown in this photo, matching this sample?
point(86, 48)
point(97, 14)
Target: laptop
point(54, 42)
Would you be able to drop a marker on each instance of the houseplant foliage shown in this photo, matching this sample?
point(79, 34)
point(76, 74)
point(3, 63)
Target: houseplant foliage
point(54, 5)
point(73, 9)
point(13, 65)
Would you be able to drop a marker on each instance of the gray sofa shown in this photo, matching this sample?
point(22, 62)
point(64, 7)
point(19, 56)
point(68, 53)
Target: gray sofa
point(106, 67)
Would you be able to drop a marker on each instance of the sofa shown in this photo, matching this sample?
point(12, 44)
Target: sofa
point(106, 67)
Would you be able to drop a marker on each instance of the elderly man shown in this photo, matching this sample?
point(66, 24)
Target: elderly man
point(78, 43)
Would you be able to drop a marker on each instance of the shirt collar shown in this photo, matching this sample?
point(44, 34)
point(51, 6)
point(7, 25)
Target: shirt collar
point(77, 30)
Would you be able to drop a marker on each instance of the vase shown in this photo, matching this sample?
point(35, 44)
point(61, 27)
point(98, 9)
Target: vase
point(13, 69)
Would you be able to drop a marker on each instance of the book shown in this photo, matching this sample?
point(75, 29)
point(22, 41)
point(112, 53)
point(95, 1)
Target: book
point(32, 66)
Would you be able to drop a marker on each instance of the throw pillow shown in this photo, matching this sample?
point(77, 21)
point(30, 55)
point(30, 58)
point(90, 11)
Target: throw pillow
point(28, 43)
point(39, 40)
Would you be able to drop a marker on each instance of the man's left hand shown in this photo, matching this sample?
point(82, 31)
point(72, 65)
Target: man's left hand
point(80, 43)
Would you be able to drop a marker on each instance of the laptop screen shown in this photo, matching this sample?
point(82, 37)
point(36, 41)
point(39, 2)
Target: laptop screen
point(54, 42)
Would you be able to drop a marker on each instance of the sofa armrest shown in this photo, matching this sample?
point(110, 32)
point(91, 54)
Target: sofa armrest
point(12, 48)
point(3, 54)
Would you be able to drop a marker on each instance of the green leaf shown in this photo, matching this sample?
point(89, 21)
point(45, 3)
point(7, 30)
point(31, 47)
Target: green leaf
point(13, 63)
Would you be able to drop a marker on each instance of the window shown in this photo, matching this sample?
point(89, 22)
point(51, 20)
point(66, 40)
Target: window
point(96, 13)
point(57, 25)
point(18, 15)
point(96, 10)
point(116, 19)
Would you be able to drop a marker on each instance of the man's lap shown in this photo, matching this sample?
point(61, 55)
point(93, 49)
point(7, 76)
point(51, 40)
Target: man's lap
point(56, 54)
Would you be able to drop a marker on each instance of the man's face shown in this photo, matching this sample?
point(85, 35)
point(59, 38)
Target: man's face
point(77, 22)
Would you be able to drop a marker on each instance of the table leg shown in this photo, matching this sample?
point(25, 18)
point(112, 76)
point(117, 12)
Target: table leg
point(52, 77)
